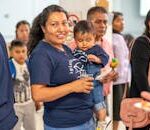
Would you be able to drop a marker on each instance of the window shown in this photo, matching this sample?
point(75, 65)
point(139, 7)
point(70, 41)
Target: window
point(144, 7)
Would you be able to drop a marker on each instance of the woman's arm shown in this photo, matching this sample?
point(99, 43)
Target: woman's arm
point(42, 93)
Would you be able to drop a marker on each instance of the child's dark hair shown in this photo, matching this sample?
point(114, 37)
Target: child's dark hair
point(16, 43)
point(83, 27)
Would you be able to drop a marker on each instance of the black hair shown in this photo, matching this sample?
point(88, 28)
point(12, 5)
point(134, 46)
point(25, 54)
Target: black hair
point(147, 27)
point(83, 27)
point(16, 43)
point(95, 9)
point(24, 22)
point(116, 14)
point(36, 33)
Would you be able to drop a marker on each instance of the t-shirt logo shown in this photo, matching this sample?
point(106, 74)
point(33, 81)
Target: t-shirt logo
point(75, 66)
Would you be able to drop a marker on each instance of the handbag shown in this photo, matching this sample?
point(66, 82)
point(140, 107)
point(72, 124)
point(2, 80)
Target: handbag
point(132, 116)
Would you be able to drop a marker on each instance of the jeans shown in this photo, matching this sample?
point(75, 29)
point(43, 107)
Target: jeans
point(97, 93)
point(89, 125)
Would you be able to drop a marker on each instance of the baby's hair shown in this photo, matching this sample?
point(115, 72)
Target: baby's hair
point(16, 43)
point(83, 27)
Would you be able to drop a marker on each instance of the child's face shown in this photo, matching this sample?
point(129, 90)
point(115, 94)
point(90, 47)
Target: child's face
point(85, 41)
point(19, 54)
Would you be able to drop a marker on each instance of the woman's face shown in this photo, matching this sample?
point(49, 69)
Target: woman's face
point(56, 28)
point(118, 24)
point(22, 33)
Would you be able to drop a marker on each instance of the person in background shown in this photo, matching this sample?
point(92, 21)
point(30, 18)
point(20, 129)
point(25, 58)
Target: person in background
point(140, 59)
point(55, 72)
point(24, 105)
point(21, 33)
point(93, 58)
point(99, 18)
point(8, 118)
point(121, 52)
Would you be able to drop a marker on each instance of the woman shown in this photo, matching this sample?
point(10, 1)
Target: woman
point(55, 74)
point(121, 53)
point(140, 59)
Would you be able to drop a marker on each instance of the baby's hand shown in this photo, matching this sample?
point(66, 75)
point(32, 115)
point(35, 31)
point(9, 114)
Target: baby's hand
point(93, 58)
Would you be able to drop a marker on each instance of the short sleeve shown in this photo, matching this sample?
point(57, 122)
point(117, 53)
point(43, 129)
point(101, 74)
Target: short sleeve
point(40, 69)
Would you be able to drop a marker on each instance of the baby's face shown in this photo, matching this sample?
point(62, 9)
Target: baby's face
point(85, 41)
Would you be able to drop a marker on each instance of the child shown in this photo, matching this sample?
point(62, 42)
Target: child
point(94, 58)
point(24, 106)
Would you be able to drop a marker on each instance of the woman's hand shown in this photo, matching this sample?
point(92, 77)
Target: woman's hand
point(145, 95)
point(83, 85)
point(112, 76)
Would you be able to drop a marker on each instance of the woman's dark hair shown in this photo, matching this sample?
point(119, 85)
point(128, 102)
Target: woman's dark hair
point(22, 22)
point(116, 14)
point(83, 27)
point(147, 27)
point(36, 33)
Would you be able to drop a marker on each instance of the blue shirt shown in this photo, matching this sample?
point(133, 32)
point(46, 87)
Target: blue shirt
point(92, 67)
point(50, 66)
point(100, 53)
point(7, 114)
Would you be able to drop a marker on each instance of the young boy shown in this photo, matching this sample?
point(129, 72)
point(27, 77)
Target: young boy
point(24, 106)
point(94, 58)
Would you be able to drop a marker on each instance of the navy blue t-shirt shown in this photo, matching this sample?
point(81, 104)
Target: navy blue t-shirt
point(7, 114)
point(50, 66)
point(92, 67)
point(99, 52)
